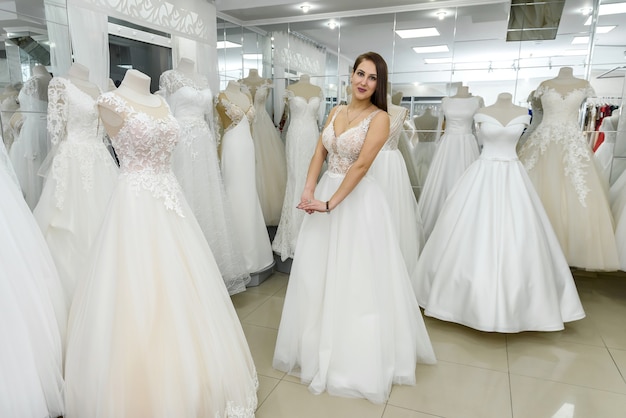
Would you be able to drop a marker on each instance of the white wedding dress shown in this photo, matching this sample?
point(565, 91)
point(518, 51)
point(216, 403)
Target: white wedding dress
point(238, 169)
point(493, 262)
point(271, 163)
point(31, 145)
point(350, 323)
point(618, 208)
point(456, 150)
point(562, 167)
point(196, 166)
point(32, 311)
point(152, 330)
point(301, 140)
point(79, 183)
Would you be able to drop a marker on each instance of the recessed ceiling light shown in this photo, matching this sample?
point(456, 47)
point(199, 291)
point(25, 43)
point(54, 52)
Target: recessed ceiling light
point(305, 8)
point(437, 60)
point(429, 49)
point(441, 15)
point(580, 40)
point(586, 11)
point(332, 24)
point(417, 33)
point(227, 44)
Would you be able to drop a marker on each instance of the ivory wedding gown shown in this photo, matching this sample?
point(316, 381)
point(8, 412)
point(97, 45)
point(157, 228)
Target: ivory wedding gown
point(350, 323)
point(492, 261)
point(152, 330)
point(562, 167)
point(197, 169)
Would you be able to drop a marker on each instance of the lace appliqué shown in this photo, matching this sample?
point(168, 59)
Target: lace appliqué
point(189, 133)
point(235, 113)
point(234, 410)
point(171, 80)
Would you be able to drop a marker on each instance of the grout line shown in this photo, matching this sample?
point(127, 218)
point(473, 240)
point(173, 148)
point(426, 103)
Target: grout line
point(508, 371)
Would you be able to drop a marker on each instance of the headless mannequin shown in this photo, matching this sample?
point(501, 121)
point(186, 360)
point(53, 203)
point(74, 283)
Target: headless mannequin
point(462, 92)
point(135, 89)
point(78, 74)
point(565, 81)
point(304, 88)
point(187, 67)
point(235, 96)
point(42, 77)
point(396, 98)
point(426, 125)
point(253, 81)
point(503, 110)
point(395, 111)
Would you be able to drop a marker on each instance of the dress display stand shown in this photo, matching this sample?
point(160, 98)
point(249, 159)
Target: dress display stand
point(563, 169)
point(236, 112)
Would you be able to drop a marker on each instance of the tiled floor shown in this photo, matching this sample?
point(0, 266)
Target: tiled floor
point(577, 373)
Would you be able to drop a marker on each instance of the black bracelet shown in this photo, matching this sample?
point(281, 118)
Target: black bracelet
point(327, 208)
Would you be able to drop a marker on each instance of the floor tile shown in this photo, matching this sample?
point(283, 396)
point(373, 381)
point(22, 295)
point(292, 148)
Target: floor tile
point(456, 391)
point(271, 285)
point(266, 386)
point(565, 362)
point(583, 331)
point(262, 341)
point(395, 412)
point(268, 314)
point(619, 356)
point(246, 302)
point(533, 397)
point(293, 400)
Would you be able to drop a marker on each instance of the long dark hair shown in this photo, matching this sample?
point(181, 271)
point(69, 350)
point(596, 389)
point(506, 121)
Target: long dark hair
point(379, 98)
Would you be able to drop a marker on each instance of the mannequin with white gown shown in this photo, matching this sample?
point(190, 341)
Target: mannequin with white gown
point(196, 166)
point(269, 150)
point(33, 313)
point(303, 103)
point(604, 153)
point(236, 112)
point(8, 106)
point(152, 330)
point(456, 149)
point(562, 167)
point(80, 178)
point(31, 145)
point(493, 261)
point(427, 127)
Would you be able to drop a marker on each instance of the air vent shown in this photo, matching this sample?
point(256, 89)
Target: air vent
point(534, 20)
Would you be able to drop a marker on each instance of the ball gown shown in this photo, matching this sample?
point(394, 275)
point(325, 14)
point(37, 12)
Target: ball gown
point(492, 261)
point(32, 310)
point(350, 323)
point(31, 144)
point(79, 183)
point(300, 142)
point(271, 162)
point(562, 167)
point(238, 169)
point(197, 169)
point(152, 330)
point(389, 170)
point(456, 150)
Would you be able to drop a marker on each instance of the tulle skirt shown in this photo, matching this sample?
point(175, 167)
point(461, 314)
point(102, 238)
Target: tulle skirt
point(152, 330)
point(271, 167)
point(618, 207)
point(350, 323)
point(72, 205)
point(493, 262)
point(32, 314)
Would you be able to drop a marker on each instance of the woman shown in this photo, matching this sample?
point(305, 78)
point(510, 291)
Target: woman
point(350, 324)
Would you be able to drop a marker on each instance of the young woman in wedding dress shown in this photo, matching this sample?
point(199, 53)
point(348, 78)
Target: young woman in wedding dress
point(350, 323)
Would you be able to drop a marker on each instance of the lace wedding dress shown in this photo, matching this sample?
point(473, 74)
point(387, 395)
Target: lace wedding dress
point(493, 262)
point(271, 164)
point(31, 144)
point(80, 181)
point(561, 165)
point(33, 314)
point(456, 150)
point(300, 143)
point(238, 169)
point(350, 323)
point(152, 330)
point(196, 166)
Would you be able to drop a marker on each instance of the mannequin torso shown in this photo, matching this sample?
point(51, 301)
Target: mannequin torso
point(304, 88)
point(503, 110)
point(565, 81)
point(235, 96)
point(426, 122)
point(78, 74)
point(462, 93)
point(253, 81)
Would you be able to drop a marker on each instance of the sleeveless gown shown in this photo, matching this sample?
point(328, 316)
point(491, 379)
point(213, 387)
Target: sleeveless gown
point(350, 323)
point(238, 169)
point(196, 166)
point(79, 183)
point(271, 163)
point(493, 262)
point(562, 167)
point(33, 313)
point(152, 330)
point(456, 150)
point(300, 143)
point(389, 170)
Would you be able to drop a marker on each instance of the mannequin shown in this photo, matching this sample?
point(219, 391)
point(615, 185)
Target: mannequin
point(8, 106)
point(253, 81)
point(426, 125)
point(78, 74)
point(304, 88)
point(565, 81)
point(234, 95)
point(135, 89)
point(462, 92)
point(503, 110)
point(396, 98)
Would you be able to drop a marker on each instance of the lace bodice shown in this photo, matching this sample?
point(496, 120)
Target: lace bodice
point(499, 141)
point(144, 146)
point(31, 98)
point(172, 80)
point(395, 130)
point(558, 108)
point(458, 112)
point(235, 113)
point(261, 94)
point(302, 109)
point(343, 150)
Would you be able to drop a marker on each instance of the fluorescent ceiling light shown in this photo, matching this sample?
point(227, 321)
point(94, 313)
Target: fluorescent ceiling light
point(604, 29)
point(437, 60)
point(580, 40)
point(429, 49)
point(253, 56)
point(608, 9)
point(227, 44)
point(417, 33)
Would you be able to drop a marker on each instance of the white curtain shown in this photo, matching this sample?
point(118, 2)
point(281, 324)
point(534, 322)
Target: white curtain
point(90, 42)
point(59, 36)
